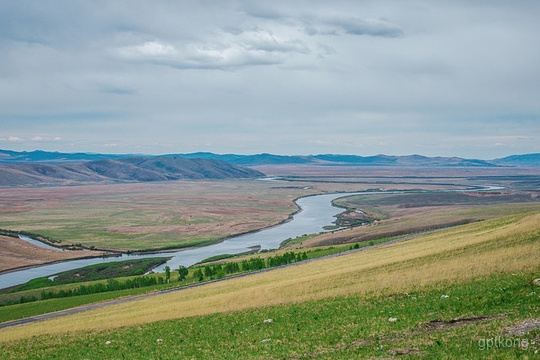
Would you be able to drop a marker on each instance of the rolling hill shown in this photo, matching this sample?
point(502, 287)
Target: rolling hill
point(142, 169)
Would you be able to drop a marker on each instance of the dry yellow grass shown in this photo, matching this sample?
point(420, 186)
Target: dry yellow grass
point(461, 253)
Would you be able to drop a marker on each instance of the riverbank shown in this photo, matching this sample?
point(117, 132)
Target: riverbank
point(101, 252)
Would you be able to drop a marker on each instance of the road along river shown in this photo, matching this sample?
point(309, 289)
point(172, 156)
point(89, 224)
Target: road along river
point(316, 212)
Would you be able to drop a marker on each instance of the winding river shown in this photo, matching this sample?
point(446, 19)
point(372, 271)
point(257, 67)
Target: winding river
point(316, 212)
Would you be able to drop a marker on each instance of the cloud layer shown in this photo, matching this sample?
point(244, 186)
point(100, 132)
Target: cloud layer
point(451, 78)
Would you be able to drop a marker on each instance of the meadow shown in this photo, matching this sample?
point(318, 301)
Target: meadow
point(141, 216)
point(146, 215)
point(428, 325)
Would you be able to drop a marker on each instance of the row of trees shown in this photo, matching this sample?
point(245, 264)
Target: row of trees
point(182, 273)
point(110, 285)
point(221, 270)
point(209, 272)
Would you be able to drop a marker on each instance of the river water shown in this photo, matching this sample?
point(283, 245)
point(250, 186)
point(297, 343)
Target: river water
point(316, 212)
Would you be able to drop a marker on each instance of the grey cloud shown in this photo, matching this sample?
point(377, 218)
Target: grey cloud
point(148, 50)
point(268, 42)
point(261, 10)
point(325, 50)
point(351, 25)
point(314, 23)
point(319, 24)
point(230, 57)
point(233, 30)
point(313, 30)
point(115, 90)
point(197, 57)
point(371, 27)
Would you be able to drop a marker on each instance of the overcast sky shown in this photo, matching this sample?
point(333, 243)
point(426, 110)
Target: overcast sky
point(286, 77)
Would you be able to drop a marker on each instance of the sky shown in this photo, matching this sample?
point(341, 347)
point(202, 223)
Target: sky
point(437, 78)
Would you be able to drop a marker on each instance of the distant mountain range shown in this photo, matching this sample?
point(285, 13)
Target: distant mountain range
point(137, 169)
point(11, 157)
point(376, 160)
point(8, 156)
point(519, 160)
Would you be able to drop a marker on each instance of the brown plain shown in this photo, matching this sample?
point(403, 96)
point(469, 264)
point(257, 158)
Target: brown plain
point(160, 214)
point(17, 253)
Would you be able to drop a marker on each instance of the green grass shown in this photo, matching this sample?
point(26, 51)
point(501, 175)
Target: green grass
point(20, 311)
point(217, 258)
point(224, 257)
point(10, 309)
point(68, 282)
point(340, 327)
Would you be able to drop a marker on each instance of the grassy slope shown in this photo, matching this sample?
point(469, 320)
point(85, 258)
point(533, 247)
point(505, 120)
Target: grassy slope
point(441, 261)
point(340, 327)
